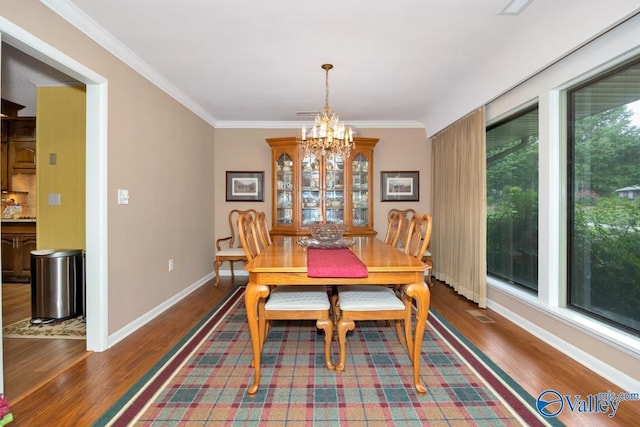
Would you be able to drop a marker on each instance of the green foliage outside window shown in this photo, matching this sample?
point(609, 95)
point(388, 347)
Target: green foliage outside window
point(604, 252)
point(512, 200)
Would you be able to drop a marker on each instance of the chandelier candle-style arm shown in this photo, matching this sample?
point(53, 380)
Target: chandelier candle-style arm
point(328, 137)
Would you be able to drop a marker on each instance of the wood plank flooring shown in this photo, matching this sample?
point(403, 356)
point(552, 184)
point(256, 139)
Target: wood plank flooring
point(30, 362)
point(81, 392)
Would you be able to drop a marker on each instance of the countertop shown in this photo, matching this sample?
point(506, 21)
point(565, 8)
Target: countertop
point(12, 220)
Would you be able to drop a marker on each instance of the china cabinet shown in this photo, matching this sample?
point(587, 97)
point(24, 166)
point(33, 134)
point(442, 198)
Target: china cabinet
point(326, 189)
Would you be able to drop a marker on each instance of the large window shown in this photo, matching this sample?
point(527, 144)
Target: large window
point(604, 197)
point(512, 199)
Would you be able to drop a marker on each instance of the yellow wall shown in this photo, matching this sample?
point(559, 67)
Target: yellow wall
point(61, 133)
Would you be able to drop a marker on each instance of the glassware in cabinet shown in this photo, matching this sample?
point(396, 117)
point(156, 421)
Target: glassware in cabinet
point(284, 190)
point(334, 190)
point(311, 187)
point(360, 190)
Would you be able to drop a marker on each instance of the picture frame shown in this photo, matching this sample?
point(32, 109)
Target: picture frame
point(245, 186)
point(400, 186)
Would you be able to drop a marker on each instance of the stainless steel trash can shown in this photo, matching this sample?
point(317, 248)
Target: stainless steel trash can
point(57, 282)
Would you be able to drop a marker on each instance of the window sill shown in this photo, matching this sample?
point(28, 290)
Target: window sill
point(601, 331)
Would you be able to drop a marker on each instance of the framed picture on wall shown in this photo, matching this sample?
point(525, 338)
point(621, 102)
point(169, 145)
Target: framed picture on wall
point(400, 186)
point(245, 186)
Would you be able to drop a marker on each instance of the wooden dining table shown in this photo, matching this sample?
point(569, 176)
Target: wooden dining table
point(284, 262)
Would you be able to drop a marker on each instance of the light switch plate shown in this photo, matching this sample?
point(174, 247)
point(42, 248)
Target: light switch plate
point(54, 199)
point(123, 197)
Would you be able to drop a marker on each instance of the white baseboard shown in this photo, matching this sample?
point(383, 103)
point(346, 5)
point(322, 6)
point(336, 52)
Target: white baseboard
point(155, 312)
point(624, 381)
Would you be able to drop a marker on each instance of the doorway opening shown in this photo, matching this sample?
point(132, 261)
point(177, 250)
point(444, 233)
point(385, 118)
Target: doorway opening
point(96, 175)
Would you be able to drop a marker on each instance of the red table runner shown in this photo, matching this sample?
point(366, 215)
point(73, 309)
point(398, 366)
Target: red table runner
point(334, 262)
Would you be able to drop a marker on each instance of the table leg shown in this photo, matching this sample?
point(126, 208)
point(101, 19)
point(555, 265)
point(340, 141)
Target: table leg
point(251, 297)
point(419, 292)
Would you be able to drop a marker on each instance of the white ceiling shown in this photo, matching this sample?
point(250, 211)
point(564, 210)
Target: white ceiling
point(412, 62)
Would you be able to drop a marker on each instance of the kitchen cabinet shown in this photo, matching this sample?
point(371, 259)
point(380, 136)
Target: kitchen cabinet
point(4, 160)
point(22, 145)
point(22, 157)
point(311, 189)
point(18, 240)
point(18, 148)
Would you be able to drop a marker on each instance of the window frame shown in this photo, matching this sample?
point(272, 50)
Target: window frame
point(570, 199)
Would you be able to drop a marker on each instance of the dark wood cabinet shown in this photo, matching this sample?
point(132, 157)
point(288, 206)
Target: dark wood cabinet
point(22, 157)
point(22, 129)
point(22, 146)
point(4, 160)
point(4, 166)
point(18, 240)
point(18, 148)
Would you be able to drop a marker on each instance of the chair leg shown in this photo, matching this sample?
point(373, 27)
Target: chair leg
point(343, 327)
point(400, 333)
point(216, 268)
point(327, 325)
point(335, 308)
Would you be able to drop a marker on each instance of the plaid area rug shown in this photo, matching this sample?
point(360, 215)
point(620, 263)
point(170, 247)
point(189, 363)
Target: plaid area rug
point(75, 329)
point(204, 380)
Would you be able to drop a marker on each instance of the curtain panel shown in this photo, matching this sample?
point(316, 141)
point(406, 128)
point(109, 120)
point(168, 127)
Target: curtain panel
point(458, 240)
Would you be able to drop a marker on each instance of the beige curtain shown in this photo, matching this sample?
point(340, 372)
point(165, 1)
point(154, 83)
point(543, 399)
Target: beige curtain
point(458, 240)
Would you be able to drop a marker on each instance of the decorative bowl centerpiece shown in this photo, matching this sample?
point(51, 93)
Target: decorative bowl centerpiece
point(326, 232)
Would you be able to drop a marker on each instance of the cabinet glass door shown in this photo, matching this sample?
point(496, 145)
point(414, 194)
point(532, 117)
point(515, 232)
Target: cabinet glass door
point(361, 190)
point(311, 191)
point(334, 190)
point(284, 190)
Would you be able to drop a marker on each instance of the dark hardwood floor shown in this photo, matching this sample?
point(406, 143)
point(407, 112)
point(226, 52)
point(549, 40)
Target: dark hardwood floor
point(84, 386)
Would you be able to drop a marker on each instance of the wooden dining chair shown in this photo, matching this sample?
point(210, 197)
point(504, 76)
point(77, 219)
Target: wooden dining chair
point(287, 302)
point(263, 228)
point(418, 245)
point(393, 229)
point(405, 218)
point(373, 302)
point(228, 248)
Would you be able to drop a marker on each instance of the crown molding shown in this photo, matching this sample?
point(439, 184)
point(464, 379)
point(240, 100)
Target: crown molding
point(76, 17)
point(363, 124)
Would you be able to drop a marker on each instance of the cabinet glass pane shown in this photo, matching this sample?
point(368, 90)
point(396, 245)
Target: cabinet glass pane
point(334, 190)
point(284, 191)
point(360, 193)
point(311, 197)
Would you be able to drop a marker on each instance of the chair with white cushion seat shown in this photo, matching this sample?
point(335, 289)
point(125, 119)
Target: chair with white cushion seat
point(299, 303)
point(287, 302)
point(373, 302)
point(370, 302)
point(228, 248)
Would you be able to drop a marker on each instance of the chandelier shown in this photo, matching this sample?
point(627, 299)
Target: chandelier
point(327, 137)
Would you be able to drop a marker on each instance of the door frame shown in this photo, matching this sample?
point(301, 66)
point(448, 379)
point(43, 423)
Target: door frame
point(96, 177)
